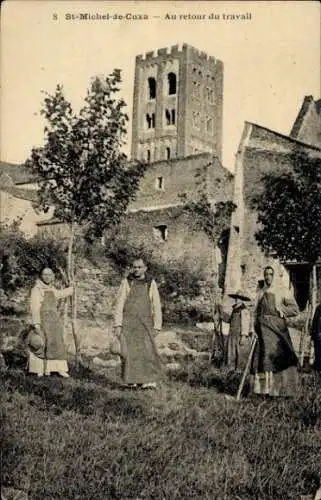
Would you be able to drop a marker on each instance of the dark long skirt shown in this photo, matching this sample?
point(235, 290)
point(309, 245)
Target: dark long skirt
point(141, 362)
point(274, 367)
point(52, 327)
point(234, 338)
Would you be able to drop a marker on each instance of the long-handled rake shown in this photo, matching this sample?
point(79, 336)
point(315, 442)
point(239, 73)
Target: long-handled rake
point(245, 372)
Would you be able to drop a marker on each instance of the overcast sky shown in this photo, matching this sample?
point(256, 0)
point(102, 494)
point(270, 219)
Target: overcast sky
point(270, 62)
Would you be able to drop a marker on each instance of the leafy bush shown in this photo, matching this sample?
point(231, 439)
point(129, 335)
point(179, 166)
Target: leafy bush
point(22, 259)
point(176, 280)
point(181, 311)
point(289, 210)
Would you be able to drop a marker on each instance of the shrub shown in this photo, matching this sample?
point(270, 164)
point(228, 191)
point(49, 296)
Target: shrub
point(43, 253)
point(184, 311)
point(22, 259)
point(174, 278)
point(177, 281)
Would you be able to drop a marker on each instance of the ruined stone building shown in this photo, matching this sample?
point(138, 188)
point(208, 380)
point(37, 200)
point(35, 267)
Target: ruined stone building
point(157, 218)
point(262, 150)
point(177, 128)
point(307, 126)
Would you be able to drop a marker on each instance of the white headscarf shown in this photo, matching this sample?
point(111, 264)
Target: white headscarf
point(281, 287)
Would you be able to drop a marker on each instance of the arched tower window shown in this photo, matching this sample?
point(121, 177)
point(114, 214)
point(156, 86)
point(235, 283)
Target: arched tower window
point(150, 120)
point(171, 83)
point(151, 88)
point(168, 153)
point(170, 116)
point(148, 155)
point(209, 125)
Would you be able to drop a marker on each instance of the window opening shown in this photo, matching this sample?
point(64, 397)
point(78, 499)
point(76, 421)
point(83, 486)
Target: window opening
point(152, 87)
point(161, 232)
point(171, 83)
point(160, 182)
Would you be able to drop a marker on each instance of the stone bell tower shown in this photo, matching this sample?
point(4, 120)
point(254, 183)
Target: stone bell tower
point(178, 104)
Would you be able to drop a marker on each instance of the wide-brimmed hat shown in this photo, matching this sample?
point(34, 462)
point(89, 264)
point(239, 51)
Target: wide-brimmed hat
point(239, 294)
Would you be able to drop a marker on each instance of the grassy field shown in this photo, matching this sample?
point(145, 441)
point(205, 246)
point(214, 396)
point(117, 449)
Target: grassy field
point(86, 438)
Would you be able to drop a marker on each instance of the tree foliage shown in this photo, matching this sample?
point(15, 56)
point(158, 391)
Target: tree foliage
point(289, 211)
point(81, 169)
point(176, 279)
point(21, 259)
point(212, 219)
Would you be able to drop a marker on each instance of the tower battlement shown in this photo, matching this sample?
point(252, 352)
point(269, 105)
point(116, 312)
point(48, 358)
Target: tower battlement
point(172, 50)
point(177, 50)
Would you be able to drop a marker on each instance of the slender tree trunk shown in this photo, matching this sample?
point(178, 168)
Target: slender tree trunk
point(71, 277)
point(65, 315)
point(217, 336)
point(66, 303)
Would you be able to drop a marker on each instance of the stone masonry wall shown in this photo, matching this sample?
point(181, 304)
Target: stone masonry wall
point(96, 289)
point(266, 152)
point(190, 66)
point(308, 126)
point(182, 242)
point(179, 177)
point(261, 151)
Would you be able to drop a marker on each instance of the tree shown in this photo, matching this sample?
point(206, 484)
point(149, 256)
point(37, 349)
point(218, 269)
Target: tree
point(289, 211)
point(213, 219)
point(289, 214)
point(81, 169)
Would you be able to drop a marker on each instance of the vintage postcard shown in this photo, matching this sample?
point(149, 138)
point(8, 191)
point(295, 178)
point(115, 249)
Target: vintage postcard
point(160, 262)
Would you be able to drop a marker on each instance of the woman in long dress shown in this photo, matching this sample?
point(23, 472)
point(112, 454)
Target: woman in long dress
point(47, 351)
point(274, 367)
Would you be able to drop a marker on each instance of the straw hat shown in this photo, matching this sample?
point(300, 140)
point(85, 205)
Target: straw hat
point(239, 294)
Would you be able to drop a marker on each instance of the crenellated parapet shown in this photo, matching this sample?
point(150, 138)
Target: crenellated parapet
point(177, 50)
